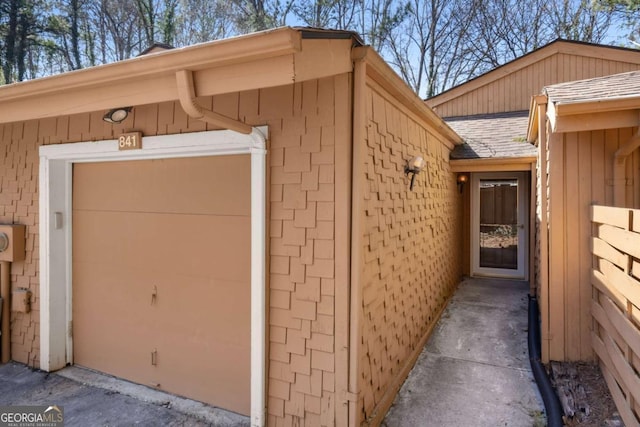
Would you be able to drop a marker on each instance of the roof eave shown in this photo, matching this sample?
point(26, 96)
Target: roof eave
point(533, 124)
point(493, 164)
point(259, 60)
point(596, 105)
point(590, 115)
point(383, 74)
point(219, 67)
point(217, 53)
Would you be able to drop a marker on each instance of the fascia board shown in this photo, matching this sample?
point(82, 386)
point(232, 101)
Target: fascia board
point(379, 71)
point(151, 78)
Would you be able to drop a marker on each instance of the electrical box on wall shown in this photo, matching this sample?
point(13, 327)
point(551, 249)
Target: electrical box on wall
point(12, 239)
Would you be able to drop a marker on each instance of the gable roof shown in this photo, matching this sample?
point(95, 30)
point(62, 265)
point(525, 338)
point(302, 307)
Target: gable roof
point(559, 46)
point(598, 103)
point(623, 85)
point(490, 136)
point(156, 47)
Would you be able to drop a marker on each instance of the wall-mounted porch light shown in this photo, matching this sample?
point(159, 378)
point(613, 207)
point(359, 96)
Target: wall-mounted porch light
point(414, 166)
point(117, 115)
point(462, 180)
point(4, 241)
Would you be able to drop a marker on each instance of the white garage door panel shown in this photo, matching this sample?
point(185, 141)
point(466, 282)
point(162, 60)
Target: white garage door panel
point(162, 298)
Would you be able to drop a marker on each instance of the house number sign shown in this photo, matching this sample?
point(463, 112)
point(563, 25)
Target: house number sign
point(130, 141)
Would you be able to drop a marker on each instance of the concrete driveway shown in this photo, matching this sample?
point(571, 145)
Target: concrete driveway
point(474, 370)
point(91, 399)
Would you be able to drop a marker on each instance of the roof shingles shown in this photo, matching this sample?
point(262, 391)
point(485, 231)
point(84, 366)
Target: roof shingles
point(614, 86)
point(486, 136)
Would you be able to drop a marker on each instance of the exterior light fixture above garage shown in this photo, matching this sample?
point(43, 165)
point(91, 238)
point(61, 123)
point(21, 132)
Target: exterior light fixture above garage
point(117, 115)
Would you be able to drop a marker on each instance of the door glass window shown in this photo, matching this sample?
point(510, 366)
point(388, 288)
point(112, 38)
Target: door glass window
point(499, 223)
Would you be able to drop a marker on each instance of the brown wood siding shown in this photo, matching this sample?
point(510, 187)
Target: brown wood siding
point(541, 247)
point(580, 175)
point(539, 253)
point(513, 92)
point(411, 244)
point(307, 122)
point(633, 195)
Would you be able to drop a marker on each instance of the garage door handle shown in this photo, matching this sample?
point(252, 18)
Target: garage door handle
point(154, 357)
point(154, 295)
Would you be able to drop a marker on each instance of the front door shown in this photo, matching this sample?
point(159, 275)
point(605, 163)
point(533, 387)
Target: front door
point(499, 225)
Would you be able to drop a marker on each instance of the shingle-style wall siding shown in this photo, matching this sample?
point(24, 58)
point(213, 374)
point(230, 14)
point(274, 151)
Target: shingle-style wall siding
point(302, 250)
point(19, 164)
point(411, 242)
point(19, 204)
point(306, 122)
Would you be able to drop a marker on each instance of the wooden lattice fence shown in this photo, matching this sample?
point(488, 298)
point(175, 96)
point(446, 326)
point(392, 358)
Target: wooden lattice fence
point(616, 304)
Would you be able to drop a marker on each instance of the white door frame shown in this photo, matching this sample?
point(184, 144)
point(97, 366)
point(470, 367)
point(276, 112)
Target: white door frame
point(523, 226)
point(55, 181)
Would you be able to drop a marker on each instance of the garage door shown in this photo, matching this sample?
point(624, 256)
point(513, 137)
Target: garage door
point(161, 274)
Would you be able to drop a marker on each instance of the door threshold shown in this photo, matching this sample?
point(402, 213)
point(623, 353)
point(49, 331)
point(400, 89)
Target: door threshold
point(506, 279)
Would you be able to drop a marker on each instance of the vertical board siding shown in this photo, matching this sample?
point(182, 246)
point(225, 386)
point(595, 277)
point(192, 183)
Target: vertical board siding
point(411, 243)
point(616, 333)
point(580, 175)
point(571, 209)
point(557, 278)
point(636, 177)
point(538, 225)
point(541, 236)
point(513, 91)
point(585, 191)
point(304, 129)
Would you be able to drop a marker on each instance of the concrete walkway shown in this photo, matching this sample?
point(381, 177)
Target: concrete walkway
point(474, 370)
